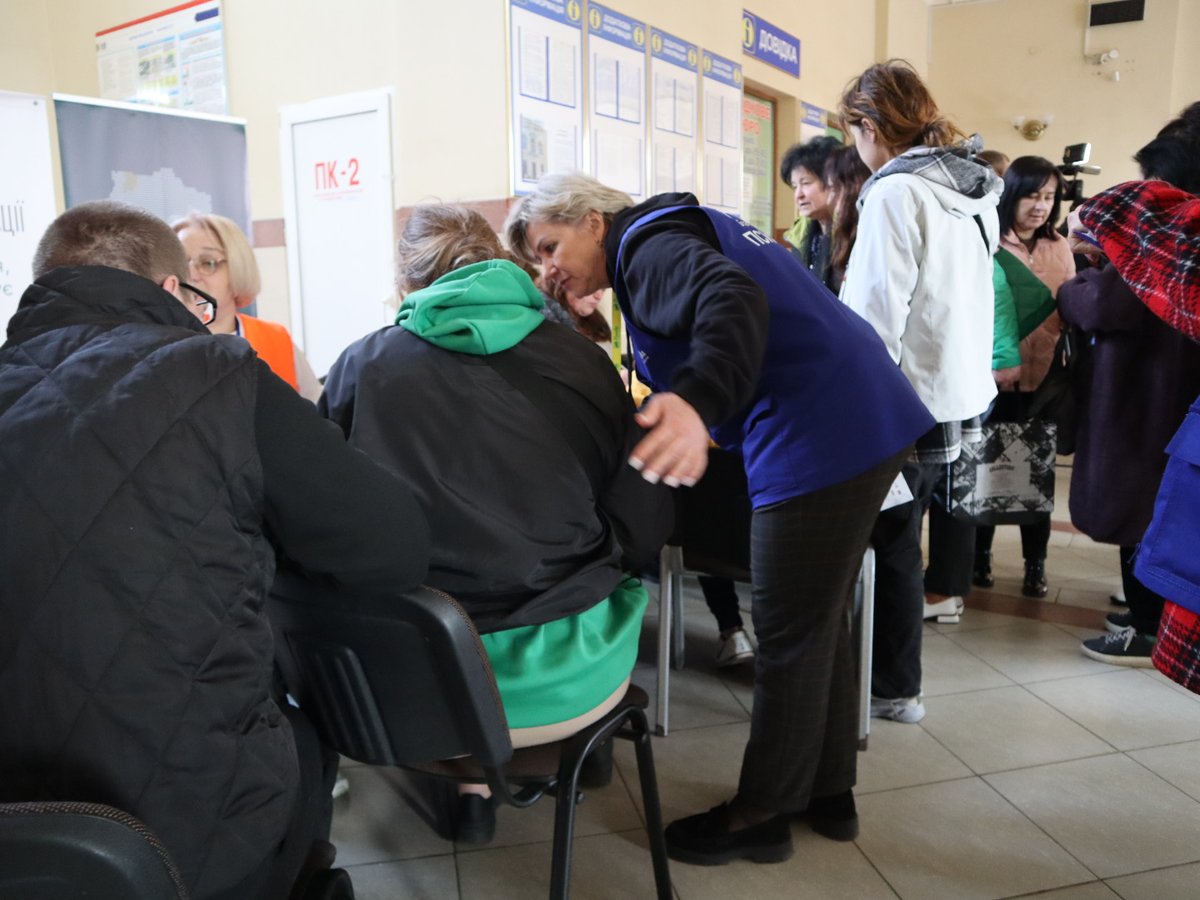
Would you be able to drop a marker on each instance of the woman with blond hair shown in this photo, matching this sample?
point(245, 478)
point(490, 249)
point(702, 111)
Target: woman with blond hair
point(740, 341)
point(513, 433)
point(921, 275)
point(221, 262)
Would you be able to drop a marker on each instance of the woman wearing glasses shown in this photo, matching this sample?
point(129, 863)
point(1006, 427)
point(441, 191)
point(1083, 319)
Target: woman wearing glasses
point(221, 263)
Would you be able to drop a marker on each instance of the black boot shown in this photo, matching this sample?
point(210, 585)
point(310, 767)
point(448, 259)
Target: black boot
point(1035, 579)
point(983, 570)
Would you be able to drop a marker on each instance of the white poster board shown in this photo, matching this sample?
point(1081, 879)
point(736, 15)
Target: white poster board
point(674, 112)
point(545, 89)
point(722, 90)
point(617, 114)
point(339, 218)
point(173, 58)
point(26, 193)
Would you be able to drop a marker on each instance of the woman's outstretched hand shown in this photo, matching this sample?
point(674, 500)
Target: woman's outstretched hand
point(675, 450)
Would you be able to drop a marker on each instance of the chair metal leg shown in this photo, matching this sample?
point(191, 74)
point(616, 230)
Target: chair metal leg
point(677, 650)
point(865, 594)
point(677, 607)
point(649, 784)
point(564, 825)
point(666, 585)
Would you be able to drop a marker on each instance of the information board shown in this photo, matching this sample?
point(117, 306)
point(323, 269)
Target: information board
point(722, 89)
point(546, 90)
point(174, 58)
point(617, 115)
point(26, 193)
point(674, 64)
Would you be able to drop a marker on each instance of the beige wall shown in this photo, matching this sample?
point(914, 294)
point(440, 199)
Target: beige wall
point(446, 64)
point(990, 62)
point(986, 63)
point(902, 31)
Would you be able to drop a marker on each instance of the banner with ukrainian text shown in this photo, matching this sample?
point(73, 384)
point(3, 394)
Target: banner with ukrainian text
point(26, 192)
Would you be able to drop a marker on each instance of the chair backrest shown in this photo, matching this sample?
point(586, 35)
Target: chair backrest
point(713, 519)
point(391, 681)
point(58, 850)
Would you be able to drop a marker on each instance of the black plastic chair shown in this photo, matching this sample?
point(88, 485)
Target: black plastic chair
point(406, 682)
point(67, 851)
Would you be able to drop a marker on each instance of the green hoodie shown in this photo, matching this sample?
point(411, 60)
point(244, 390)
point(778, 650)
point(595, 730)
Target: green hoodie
point(482, 308)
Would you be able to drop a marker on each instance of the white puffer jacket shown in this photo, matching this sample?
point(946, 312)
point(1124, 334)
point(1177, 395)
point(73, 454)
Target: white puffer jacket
point(921, 274)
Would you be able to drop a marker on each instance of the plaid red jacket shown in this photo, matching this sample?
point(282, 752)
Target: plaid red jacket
point(1151, 232)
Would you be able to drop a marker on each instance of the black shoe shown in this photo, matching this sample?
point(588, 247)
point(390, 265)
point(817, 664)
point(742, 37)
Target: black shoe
point(982, 576)
point(705, 839)
point(834, 817)
point(597, 770)
point(1035, 579)
point(476, 821)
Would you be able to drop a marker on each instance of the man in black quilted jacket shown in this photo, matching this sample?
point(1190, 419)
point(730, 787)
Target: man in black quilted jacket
point(149, 473)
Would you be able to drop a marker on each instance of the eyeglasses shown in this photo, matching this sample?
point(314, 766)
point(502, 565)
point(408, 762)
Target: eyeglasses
point(205, 304)
point(206, 265)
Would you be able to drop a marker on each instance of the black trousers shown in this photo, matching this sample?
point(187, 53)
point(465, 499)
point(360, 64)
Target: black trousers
point(805, 555)
point(1035, 538)
point(1145, 606)
point(951, 553)
point(900, 588)
point(312, 817)
point(721, 596)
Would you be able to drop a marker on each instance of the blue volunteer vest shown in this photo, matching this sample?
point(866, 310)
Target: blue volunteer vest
point(829, 403)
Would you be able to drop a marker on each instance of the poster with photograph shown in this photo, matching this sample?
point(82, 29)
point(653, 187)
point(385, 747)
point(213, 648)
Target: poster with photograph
point(174, 58)
point(546, 85)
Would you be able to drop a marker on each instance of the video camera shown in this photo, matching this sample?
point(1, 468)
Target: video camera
point(1074, 164)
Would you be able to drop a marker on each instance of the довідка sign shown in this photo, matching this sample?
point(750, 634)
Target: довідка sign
point(772, 45)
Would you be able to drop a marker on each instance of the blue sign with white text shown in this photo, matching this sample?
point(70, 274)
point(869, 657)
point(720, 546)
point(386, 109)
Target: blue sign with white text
point(772, 45)
point(612, 26)
point(568, 12)
point(674, 50)
point(721, 69)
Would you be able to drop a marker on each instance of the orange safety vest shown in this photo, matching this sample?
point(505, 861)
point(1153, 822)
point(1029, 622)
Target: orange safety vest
point(273, 345)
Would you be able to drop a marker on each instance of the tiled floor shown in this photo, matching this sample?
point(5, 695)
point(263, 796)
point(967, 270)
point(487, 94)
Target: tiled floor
point(1036, 771)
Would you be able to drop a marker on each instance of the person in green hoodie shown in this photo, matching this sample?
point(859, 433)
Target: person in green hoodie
point(513, 433)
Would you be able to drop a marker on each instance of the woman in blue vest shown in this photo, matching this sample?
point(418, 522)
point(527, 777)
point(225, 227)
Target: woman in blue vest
point(739, 340)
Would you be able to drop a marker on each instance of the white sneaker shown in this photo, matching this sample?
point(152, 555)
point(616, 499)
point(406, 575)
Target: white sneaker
point(908, 710)
point(735, 648)
point(947, 612)
point(341, 785)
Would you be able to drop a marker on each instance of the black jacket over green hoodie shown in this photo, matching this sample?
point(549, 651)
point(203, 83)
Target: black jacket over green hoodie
point(143, 464)
point(520, 535)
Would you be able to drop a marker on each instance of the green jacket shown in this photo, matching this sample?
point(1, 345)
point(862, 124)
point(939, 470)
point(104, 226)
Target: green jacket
point(1006, 345)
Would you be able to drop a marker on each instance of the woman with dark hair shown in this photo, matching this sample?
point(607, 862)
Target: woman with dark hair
point(1029, 210)
point(921, 275)
point(803, 170)
point(845, 174)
